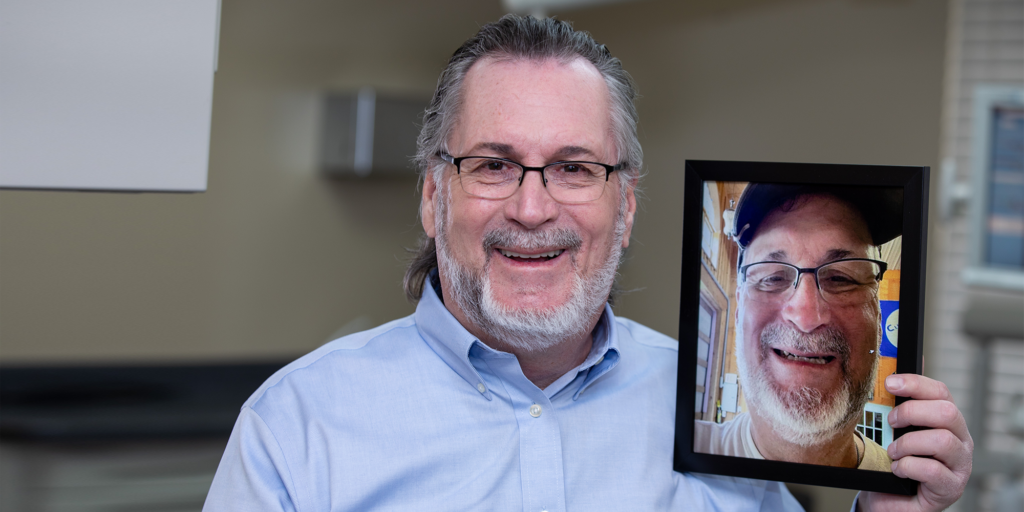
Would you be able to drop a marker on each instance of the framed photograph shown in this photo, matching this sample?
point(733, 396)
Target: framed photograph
point(793, 280)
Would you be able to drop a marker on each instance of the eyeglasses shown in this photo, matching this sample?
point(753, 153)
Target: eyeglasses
point(845, 282)
point(498, 178)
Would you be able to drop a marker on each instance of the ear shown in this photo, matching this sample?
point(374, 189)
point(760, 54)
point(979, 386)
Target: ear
point(630, 211)
point(427, 204)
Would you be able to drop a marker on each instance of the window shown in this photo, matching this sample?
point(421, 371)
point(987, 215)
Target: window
point(874, 424)
point(871, 426)
point(711, 228)
point(1004, 226)
point(705, 341)
point(997, 213)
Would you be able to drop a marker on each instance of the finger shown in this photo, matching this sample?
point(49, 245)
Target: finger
point(939, 444)
point(939, 414)
point(917, 386)
point(938, 483)
point(926, 471)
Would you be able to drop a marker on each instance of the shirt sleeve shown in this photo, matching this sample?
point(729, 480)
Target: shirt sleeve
point(253, 473)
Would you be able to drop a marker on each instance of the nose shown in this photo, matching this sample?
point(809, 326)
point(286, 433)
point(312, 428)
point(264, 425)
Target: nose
point(532, 205)
point(806, 309)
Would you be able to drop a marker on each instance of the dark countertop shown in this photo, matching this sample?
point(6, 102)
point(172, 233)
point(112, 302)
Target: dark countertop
point(125, 402)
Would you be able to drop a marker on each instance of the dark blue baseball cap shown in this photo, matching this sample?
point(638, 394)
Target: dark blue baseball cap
point(881, 207)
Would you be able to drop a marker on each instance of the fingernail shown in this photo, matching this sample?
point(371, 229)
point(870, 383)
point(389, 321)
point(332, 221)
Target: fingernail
point(894, 382)
point(894, 464)
point(892, 417)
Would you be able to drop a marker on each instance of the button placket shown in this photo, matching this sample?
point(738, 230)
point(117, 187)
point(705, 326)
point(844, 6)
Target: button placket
point(540, 442)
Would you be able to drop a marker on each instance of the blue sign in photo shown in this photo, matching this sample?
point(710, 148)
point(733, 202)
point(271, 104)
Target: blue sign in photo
point(890, 327)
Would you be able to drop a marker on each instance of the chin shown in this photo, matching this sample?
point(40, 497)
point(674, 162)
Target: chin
point(536, 329)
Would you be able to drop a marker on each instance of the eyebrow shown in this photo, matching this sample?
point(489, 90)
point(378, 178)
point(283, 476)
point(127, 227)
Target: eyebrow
point(574, 152)
point(837, 254)
point(505, 150)
point(509, 151)
point(831, 255)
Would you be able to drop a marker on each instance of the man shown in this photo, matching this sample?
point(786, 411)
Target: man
point(807, 323)
point(513, 386)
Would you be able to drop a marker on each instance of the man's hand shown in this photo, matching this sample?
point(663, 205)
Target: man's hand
point(939, 458)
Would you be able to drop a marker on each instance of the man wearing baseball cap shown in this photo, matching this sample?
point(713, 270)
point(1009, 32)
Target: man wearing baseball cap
point(807, 323)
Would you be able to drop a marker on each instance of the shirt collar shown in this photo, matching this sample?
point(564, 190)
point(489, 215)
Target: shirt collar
point(445, 335)
point(452, 343)
point(606, 350)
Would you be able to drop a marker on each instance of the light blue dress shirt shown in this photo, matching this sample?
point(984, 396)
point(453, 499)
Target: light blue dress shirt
point(418, 414)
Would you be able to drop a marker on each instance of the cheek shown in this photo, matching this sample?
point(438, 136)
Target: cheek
point(753, 318)
point(863, 331)
point(863, 326)
point(757, 316)
point(469, 220)
point(598, 225)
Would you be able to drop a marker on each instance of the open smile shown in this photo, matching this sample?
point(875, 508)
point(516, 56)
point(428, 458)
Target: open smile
point(806, 358)
point(543, 256)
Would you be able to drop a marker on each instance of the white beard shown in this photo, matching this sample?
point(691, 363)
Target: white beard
point(520, 328)
point(804, 416)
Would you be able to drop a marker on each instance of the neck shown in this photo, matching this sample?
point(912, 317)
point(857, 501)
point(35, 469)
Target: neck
point(839, 451)
point(544, 367)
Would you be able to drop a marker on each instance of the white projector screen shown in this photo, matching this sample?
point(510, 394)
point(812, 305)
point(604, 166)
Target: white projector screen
point(106, 94)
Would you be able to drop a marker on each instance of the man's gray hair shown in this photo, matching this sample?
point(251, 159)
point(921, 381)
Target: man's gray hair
point(516, 37)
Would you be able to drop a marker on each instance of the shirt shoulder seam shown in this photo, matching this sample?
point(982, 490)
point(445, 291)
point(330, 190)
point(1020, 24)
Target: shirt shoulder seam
point(649, 337)
point(331, 347)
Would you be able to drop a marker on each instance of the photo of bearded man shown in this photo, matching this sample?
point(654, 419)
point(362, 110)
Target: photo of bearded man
point(807, 325)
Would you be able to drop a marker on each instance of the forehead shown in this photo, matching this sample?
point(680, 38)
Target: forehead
point(810, 230)
point(534, 106)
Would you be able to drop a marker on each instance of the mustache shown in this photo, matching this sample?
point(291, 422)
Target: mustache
point(827, 339)
point(519, 238)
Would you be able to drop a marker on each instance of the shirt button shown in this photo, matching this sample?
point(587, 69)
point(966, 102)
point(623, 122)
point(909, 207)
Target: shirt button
point(535, 411)
point(481, 388)
point(599, 360)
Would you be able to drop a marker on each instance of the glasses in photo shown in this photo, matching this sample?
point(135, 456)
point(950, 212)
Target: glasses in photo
point(845, 282)
point(498, 178)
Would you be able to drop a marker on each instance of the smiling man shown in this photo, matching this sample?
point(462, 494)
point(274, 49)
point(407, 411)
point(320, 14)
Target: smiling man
point(807, 323)
point(513, 386)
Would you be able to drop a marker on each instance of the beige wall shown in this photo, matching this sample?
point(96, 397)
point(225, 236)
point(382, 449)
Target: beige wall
point(274, 258)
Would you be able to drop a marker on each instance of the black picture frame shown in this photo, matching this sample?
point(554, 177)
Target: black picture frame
point(914, 183)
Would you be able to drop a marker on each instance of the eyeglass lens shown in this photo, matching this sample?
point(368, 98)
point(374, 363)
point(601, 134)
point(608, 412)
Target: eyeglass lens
point(841, 283)
point(570, 182)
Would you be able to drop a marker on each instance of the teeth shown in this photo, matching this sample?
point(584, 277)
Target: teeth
point(551, 254)
point(813, 360)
